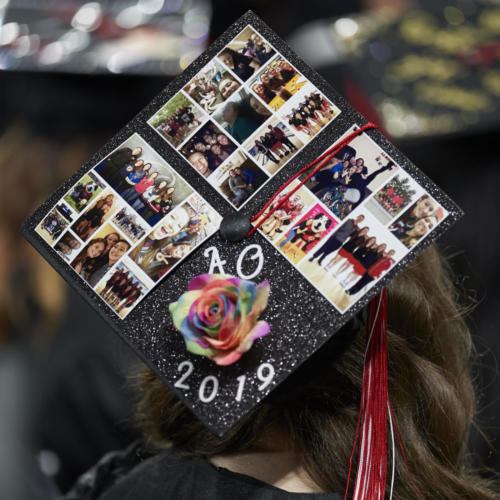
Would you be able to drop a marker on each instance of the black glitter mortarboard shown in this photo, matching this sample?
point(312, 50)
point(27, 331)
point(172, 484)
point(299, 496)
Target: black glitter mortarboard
point(195, 143)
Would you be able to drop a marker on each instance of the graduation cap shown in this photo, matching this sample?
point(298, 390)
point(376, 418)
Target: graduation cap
point(432, 72)
point(222, 318)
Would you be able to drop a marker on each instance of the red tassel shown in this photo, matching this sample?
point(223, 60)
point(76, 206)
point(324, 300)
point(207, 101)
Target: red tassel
point(372, 421)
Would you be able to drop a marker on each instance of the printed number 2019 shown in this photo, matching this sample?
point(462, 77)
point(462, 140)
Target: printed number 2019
point(209, 386)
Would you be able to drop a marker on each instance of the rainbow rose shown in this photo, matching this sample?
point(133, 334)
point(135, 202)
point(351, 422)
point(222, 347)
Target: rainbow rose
point(218, 316)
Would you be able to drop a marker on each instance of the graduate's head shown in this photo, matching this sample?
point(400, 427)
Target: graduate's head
point(314, 412)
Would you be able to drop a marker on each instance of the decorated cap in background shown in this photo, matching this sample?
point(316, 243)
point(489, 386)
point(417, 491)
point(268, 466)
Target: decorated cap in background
point(429, 71)
point(152, 37)
point(435, 72)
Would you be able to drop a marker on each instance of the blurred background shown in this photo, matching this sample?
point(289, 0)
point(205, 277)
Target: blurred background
point(73, 72)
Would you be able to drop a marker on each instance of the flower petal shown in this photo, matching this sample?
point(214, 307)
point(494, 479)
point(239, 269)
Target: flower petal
point(248, 294)
point(227, 358)
point(195, 348)
point(263, 290)
point(200, 281)
point(261, 329)
point(190, 332)
point(203, 280)
point(180, 309)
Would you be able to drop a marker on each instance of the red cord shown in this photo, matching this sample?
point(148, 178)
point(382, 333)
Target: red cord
point(402, 451)
point(375, 409)
point(371, 473)
point(326, 157)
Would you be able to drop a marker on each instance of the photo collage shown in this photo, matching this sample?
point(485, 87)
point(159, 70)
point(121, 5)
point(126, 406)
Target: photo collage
point(243, 116)
point(132, 218)
point(125, 224)
point(351, 222)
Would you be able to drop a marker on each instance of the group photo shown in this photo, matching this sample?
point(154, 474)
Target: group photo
point(246, 53)
point(348, 179)
point(289, 209)
point(272, 145)
point(54, 224)
point(208, 148)
point(308, 112)
point(177, 119)
point(212, 86)
point(241, 115)
point(96, 215)
point(277, 82)
point(143, 179)
point(84, 192)
point(238, 179)
point(420, 219)
point(394, 197)
point(121, 289)
point(305, 233)
point(129, 223)
point(177, 235)
point(346, 263)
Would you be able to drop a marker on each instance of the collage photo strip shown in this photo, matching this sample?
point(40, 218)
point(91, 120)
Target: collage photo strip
point(132, 218)
point(127, 223)
point(352, 222)
point(240, 119)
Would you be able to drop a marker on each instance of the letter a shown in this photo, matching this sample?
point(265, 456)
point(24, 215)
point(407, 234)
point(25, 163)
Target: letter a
point(216, 265)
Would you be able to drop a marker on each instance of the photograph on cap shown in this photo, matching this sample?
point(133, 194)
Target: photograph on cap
point(246, 53)
point(177, 120)
point(241, 115)
point(394, 197)
point(252, 44)
point(176, 236)
point(308, 112)
point(272, 145)
point(130, 224)
point(352, 175)
point(144, 179)
point(238, 179)
point(84, 192)
point(306, 233)
point(277, 82)
point(121, 289)
point(208, 148)
point(350, 260)
point(106, 247)
point(418, 221)
point(96, 215)
point(212, 86)
point(280, 220)
point(68, 246)
point(53, 225)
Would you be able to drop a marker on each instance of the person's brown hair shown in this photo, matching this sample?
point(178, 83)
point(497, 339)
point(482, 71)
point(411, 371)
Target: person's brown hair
point(432, 397)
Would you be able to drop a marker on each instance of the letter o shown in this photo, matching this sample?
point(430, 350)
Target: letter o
point(258, 255)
